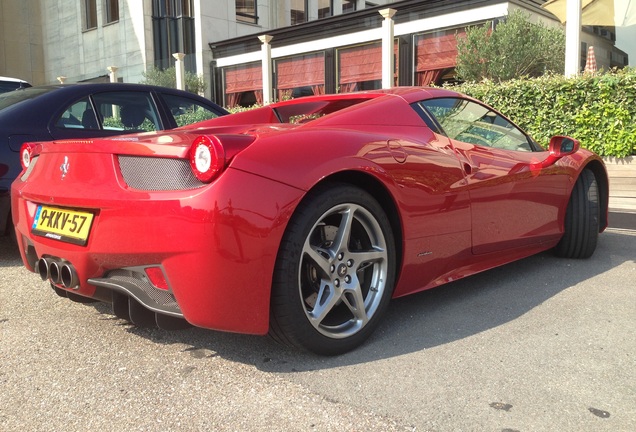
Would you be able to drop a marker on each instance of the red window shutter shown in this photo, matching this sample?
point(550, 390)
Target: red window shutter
point(300, 71)
point(436, 50)
point(361, 63)
point(243, 78)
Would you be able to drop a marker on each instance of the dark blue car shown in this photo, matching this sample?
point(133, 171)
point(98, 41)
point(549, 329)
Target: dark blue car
point(86, 111)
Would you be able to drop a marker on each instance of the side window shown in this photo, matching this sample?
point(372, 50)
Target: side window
point(187, 111)
point(127, 111)
point(79, 115)
point(473, 123)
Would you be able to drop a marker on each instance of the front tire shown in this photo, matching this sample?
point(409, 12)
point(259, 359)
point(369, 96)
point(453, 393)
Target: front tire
point(581, 219)
point(334, 273)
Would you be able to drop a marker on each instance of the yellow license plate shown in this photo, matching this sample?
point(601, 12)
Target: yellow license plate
point(62, 224)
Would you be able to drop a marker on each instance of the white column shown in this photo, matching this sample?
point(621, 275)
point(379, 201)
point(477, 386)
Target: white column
point(266, 62)
point(112, 73)
point(180, 70)
point(203, 53)
point(387, 47)
point(337, 8)
point(573, 38)
point(312, 10)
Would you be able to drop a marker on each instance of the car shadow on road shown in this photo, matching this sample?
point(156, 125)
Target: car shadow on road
point(431, 318)
point(418, 322)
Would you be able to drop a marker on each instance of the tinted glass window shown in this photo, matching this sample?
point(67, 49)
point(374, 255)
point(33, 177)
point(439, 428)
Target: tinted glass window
point(187, 111)
point(116, 111)
point(80, 115)
point(477, 124)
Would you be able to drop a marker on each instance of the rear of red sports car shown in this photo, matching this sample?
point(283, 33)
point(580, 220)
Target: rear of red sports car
point(159, 220)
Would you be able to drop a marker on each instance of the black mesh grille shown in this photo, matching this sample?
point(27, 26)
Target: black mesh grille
point(151, 173)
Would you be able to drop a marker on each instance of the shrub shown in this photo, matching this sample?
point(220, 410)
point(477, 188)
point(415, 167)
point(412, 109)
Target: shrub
point(238, 108)
point(168, 78)
point(598, 110)
point(516, 48)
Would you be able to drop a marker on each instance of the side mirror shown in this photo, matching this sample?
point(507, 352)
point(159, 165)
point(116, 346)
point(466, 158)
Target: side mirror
point(563, 146)
point(559, 147)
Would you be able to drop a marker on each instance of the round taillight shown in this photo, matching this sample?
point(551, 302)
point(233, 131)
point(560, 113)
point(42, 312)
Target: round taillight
point(207, 158)
point(26, 154)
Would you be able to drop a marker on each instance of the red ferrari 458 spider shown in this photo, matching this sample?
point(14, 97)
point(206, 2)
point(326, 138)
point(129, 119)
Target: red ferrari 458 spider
point(301, 219)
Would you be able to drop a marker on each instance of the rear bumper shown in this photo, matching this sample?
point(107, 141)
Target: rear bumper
point(216, 246)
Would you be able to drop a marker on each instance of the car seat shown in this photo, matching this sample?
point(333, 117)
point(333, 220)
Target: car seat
point(132, 116)
point(89, 121)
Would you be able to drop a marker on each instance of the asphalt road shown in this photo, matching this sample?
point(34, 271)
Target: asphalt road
point(544, 344)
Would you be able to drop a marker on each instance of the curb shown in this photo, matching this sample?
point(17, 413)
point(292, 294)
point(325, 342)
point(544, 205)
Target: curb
point(622, 220)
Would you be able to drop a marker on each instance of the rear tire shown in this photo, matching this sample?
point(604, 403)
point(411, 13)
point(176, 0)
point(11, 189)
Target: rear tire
point(334, 273)
point(581, 219)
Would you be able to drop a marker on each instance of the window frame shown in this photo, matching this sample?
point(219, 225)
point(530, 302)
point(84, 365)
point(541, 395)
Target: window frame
point(513, 131)
point(325, 10)
point(349, 6)
point(295, 14)
point(90, 14)
point(105, 107)
point(173, 30)
point(111, 11)
point(246, 13)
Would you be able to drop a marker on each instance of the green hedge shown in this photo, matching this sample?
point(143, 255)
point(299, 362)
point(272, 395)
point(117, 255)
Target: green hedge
point(598, 110)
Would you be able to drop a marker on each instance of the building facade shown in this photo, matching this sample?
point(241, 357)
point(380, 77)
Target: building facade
point(316, 45)
point(22, 41)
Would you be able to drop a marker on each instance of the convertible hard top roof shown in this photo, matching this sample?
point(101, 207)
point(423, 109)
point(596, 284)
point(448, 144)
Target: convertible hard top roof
point(307, 108)
point(410, 94)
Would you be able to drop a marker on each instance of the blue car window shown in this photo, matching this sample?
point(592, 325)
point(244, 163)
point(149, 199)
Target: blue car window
point(127, 111)
point(79, 115)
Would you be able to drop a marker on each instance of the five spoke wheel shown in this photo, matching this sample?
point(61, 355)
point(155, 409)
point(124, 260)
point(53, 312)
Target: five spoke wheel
point(343, 270)
point(335, 271)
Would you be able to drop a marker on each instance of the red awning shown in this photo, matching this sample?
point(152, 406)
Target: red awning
point(243, 78)
point(300, 71)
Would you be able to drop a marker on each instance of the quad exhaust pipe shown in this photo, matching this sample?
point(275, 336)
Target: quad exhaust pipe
point(59, 272)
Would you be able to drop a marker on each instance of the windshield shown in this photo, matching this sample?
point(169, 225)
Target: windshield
point(13, 97)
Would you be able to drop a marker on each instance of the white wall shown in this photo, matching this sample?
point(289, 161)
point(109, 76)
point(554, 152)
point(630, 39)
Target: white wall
point(626, 41)
point(85, 54)
point(21, 50)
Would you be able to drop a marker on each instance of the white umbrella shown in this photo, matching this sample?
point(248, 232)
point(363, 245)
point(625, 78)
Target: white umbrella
point(611, 13)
